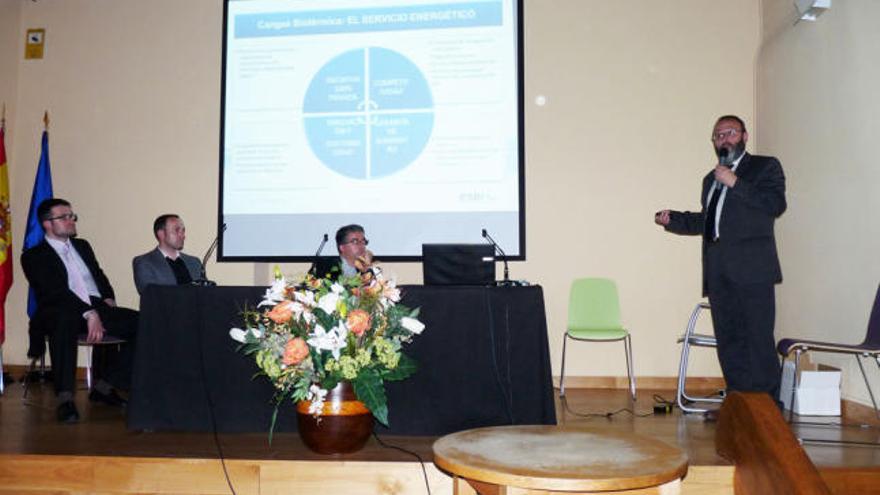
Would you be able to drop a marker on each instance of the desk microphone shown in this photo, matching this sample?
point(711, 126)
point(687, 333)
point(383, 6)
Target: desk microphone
point(506, 280)
point(317, 254)
point(203, 277)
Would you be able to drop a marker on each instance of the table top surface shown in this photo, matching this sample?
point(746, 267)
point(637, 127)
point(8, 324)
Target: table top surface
point(559, 458)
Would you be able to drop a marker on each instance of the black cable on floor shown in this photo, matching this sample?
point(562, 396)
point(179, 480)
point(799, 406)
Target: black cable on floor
point(409, 452)
point(607, 415)
point(210, 402)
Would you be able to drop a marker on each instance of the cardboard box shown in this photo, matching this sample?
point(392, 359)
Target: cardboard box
point(818, 392)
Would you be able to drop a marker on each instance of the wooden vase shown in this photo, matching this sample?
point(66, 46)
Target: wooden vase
point(343, 426)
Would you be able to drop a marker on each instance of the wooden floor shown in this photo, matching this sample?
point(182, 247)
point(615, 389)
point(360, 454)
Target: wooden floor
point(29, 427)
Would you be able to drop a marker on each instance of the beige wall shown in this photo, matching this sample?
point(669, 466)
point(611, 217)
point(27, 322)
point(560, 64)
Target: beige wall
point(631, 88)
point(817, 110)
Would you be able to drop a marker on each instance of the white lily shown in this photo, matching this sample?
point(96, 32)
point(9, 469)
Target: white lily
point(412, 324)
point(390, 296)
point(307, 298)
point(337, 288)
point(333, 341)
point(275, 293)
point(328, 302)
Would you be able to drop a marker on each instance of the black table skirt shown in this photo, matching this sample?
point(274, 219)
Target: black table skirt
point(483, 361)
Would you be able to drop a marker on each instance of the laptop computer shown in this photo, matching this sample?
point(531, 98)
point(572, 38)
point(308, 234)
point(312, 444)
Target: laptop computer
point(458, 264)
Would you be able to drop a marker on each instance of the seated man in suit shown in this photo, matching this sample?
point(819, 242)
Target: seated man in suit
point(166, 265)
point(354, 257)
point(74, 297)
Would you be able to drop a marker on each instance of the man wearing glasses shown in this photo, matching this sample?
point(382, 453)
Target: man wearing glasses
point(741, 199)
point(74, 298)
point(354, 257)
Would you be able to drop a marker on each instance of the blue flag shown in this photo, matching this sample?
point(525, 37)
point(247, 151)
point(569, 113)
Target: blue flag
point(33, 235)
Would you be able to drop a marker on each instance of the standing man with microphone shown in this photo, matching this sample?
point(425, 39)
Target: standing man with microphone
point(741, 199)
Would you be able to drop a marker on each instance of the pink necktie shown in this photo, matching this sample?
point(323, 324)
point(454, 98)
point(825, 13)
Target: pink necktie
point(76, 277)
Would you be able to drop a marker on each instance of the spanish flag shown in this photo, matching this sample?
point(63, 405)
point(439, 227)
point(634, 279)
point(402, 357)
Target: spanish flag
point(5, 234)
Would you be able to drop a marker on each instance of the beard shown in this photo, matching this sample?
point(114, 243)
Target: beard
point(730, 153)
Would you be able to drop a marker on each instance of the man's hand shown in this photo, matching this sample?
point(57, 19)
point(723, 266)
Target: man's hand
point(95, 327)
point(724, 175)
point(364, 262)
point(662, 217)
point(110, 302)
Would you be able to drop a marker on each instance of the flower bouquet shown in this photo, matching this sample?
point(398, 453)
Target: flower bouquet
point(309, 336)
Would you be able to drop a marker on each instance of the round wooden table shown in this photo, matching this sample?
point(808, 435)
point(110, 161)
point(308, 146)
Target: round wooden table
point(522, 459)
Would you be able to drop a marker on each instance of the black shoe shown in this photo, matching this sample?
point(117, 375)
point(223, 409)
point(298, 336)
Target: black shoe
point(111, 399)
point(67, 412)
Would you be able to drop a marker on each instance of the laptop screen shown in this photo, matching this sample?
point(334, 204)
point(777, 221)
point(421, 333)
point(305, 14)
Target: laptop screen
point(458, 264)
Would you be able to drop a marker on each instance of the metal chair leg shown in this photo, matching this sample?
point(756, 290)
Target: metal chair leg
point(867, 384)
point(627, 344)
point(562, 371)
point(794, 383)
point(89, 367)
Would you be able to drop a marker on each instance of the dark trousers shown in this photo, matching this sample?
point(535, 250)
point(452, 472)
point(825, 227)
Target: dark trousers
point(65, 328)
point(743, 316)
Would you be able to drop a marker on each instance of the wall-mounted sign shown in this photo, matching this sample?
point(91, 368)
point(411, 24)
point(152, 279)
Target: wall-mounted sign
point(36, 40)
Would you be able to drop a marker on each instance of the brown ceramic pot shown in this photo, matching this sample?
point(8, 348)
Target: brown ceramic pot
point(343, 427)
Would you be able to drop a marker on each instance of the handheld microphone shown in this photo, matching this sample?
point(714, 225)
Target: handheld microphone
point(724, 157)
point(506, 280)
point(317, 254)
point(203, 277)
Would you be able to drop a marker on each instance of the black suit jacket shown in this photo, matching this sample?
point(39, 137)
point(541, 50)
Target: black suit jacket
point(327, 266)
point(746, 248)
point(47, 275)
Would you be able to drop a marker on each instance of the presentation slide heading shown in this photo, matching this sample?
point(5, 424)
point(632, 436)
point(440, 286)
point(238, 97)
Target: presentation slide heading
point(457, 15)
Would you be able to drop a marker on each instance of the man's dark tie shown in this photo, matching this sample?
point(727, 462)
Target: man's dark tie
point(709, 221)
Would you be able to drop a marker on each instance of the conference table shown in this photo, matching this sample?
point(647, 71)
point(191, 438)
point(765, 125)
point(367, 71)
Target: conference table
point(483, 361)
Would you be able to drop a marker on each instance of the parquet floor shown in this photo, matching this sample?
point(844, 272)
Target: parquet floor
point(29, 427)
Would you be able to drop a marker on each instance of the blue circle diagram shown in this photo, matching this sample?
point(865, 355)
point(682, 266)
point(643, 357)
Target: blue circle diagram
point(368, 113)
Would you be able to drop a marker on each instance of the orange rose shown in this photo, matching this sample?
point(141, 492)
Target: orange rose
point(295, 351)
point(358, 321)
point(281, 313)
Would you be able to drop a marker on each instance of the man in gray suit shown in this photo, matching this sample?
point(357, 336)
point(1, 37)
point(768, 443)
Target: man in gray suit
point(741, 198)
point(166, 265)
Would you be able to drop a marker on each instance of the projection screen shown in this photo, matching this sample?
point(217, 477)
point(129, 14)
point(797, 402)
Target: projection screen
point(402, 116)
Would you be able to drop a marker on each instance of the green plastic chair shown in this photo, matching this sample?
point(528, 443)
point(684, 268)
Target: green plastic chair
point(594, 316)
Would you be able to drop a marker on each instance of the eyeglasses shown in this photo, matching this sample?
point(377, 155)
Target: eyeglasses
point(66, 216)
point(722, 135)
point(357, 242)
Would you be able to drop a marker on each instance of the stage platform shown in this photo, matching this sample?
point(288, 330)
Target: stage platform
point(98, 455)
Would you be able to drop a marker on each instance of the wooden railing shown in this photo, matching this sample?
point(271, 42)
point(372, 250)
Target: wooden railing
point(769, 459)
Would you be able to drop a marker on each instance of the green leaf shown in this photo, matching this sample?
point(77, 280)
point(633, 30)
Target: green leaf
point(405, 368)
point(370, 389)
